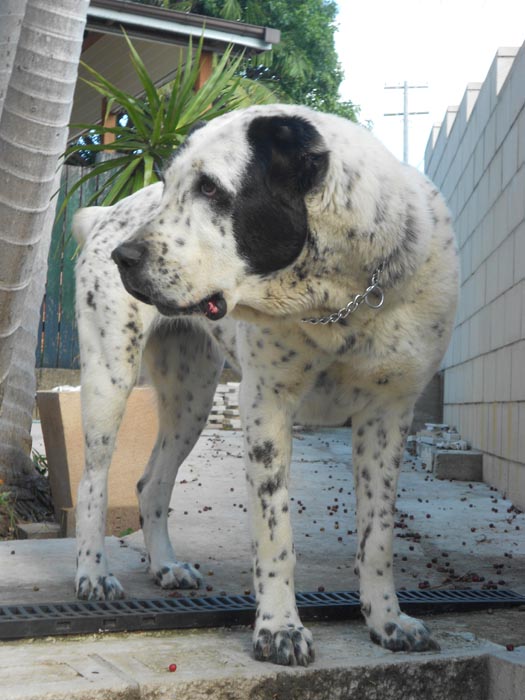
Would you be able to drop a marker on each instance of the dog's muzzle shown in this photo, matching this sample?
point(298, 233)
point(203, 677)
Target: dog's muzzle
point(129, 257)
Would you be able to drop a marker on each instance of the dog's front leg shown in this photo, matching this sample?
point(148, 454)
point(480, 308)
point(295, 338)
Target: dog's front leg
point(109, 369)
point(279, 635)
point(378, 439)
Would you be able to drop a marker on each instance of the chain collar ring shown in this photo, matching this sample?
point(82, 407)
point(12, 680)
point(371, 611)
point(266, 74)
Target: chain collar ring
point(373, 297)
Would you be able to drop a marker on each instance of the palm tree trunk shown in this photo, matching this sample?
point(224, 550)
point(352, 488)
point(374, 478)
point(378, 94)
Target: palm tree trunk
point(31, 499)
point(11, 17)
point(36, 107)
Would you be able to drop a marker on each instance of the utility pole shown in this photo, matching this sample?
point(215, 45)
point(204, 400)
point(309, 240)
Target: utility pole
point(405, 113)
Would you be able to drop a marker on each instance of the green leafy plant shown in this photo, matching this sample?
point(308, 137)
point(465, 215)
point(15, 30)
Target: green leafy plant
point(157, 122)
point(126, 532)
point(7, 513)
point(40, 462)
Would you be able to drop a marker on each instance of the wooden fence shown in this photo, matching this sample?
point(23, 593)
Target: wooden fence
point(58, 336)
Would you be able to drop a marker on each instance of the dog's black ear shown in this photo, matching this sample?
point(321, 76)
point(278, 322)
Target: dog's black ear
point(291, 149)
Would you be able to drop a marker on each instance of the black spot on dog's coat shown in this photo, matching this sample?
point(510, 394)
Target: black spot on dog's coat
point(264, 453)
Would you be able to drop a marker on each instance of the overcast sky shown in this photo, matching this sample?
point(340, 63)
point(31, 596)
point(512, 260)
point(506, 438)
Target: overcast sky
point(443, 43)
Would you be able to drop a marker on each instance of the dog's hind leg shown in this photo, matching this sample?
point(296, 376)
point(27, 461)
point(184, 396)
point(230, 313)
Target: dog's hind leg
point(111, 337)
point(184, 363)
point(379, 433)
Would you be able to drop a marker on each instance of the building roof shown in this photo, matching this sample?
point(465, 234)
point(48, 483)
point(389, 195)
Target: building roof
point(169, 26)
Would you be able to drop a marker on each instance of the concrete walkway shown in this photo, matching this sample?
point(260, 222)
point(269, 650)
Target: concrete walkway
point(448, 534)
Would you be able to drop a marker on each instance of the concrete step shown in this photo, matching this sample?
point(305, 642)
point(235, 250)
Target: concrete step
point(218, 664)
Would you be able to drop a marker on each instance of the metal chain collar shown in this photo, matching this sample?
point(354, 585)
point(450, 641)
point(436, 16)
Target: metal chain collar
point(373, 290)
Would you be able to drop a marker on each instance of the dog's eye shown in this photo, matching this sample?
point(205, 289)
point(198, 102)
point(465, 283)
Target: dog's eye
point(217, 196)
point(208, 188)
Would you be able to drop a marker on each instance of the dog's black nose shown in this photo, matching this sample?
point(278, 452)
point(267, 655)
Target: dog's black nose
point(129, 254)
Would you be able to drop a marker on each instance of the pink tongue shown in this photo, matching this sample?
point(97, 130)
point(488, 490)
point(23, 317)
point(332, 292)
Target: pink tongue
point(212, 308)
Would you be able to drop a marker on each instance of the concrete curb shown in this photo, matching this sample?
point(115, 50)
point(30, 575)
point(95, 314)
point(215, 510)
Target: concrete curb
point(218, 664)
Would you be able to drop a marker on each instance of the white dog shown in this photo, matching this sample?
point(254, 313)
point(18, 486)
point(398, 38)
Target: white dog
point(334, 270)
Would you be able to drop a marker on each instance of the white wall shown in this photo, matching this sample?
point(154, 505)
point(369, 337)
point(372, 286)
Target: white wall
point(477, 158)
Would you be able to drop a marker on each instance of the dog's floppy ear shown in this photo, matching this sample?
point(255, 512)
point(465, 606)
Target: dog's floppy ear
point(84, 221)
point(292, 150)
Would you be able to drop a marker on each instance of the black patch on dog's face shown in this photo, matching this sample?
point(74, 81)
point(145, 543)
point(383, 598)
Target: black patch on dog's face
point(270, 223)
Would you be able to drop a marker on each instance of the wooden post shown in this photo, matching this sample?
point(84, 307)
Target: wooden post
point(108, 120)
point(205, 68)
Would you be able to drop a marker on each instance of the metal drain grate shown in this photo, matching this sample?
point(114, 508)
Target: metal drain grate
point(88, 617)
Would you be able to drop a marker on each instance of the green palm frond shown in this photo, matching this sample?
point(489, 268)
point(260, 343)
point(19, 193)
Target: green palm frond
point(231, 10)
point(158, 120)
point(251, 92)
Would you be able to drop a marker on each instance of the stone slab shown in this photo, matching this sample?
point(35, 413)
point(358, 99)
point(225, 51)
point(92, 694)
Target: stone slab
point(458, 465)
point(507, 674)
point(38, 531)
point(218, 664)
point(426, 454)
point(64, 444)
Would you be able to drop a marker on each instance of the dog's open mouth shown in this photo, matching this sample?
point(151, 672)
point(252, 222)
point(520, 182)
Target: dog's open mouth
point(213, 307)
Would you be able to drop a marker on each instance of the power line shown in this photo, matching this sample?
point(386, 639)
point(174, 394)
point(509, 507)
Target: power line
point(405, 113)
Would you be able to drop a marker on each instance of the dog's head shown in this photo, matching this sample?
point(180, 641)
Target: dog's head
point(233, 212)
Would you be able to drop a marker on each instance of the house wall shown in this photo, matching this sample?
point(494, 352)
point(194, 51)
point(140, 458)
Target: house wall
point(477, 158)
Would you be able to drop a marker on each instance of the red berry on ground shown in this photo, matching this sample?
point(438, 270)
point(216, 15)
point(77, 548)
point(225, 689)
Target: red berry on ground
point(172, 668)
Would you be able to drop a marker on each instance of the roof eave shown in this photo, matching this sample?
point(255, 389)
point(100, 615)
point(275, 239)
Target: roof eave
point(168, 26)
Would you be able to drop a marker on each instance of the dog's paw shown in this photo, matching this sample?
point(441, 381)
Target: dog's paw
point(404, 634)
point(99, 588)
point(177, 575)
point(289, 645)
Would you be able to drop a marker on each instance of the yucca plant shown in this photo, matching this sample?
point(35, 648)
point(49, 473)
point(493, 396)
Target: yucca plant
point(157, 121)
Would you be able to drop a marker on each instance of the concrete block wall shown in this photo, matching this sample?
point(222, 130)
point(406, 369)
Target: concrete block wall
point(477, 158)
